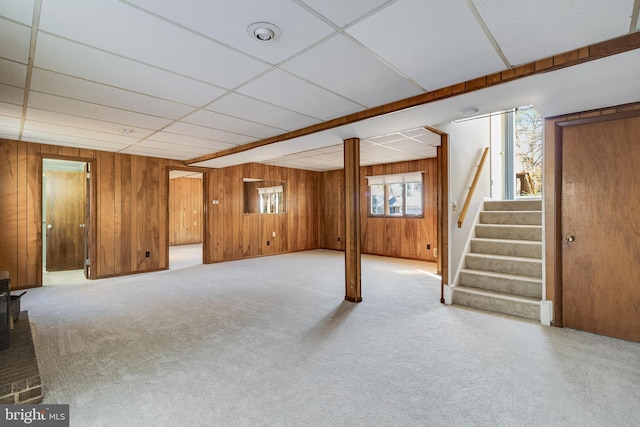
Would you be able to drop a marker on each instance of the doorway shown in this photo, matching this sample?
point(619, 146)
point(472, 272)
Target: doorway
point(65, 213)
point(186, 218)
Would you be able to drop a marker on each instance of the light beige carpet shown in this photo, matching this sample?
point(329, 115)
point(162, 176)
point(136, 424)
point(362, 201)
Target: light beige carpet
point(270, 341)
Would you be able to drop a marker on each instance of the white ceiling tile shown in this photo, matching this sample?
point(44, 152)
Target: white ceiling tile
point(281, 88)
point(10, 110)
point(63, 56)
point(530, 30)
point(156, 152)
point(21, 10)
point(435, 43)
point(11, 94)
point(13, 73)
point(185, 140)
point(228, 20)
point(15, 41)
point(182, 128)
point(53, 117)
point(191, 150)
point(232, 124)
point(344, 67)
point(241, 106)
point(342, 12)
point(83, 90)
point(74, 132)
point(70, 141)
point(9, 133)
point(84, 109)
point(119, 28)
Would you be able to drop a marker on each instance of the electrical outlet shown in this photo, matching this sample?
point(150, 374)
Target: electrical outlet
point(338, 238)
point(147, 254)
point(428, 246)
point(267, 243)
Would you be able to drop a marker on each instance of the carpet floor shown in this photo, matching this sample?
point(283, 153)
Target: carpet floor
point(269, 341)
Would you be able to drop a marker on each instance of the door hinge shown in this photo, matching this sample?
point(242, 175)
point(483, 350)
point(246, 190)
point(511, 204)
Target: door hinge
point(86, 261)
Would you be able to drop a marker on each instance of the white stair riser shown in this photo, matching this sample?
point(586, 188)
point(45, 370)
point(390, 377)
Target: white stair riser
point(519, 232)
point(513, 205)
point(521, 267)
point(508, 285)
point(513, 217)
point(508, 248)
point(529, 310)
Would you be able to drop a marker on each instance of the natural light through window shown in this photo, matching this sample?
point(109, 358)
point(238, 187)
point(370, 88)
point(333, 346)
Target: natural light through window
point(398, 195)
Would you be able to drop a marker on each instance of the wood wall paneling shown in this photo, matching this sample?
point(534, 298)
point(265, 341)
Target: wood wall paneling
point(185, 211)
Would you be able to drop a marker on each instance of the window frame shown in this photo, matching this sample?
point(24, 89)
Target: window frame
point(386, 211)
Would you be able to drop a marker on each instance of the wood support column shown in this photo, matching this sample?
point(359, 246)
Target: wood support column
point(352, 268)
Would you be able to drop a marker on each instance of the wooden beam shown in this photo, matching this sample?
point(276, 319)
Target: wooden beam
point(352, 253)
point(567, 59)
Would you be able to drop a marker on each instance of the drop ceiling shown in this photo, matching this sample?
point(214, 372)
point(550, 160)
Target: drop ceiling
point(184, 79)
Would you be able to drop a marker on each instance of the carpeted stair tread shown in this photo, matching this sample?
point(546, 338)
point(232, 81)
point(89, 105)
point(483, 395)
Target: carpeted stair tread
point(499, 302)
point(513, 205)
point(509, 247)
point(511, 217)
point(502, 282)
point(505, 264)
point(509, 232)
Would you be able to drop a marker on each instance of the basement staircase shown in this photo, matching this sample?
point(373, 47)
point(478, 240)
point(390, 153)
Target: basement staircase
point(503, 270)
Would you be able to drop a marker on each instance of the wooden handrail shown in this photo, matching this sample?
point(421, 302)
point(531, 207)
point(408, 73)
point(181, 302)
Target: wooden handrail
point(472, 189)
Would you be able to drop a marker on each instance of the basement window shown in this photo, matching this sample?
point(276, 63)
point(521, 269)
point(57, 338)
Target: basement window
point(398, 195)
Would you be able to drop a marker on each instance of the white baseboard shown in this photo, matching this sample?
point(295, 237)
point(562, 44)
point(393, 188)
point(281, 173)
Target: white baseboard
point(447, 294)
point(546, 312)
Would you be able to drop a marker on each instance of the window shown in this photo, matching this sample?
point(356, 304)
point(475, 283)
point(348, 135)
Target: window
point(397, 195)
point(271, 199)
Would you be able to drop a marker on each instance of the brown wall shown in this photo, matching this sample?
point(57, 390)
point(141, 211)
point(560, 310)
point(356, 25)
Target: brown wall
point(185, 211)
point(396, 237)
point(130, 212)
point(236, 235)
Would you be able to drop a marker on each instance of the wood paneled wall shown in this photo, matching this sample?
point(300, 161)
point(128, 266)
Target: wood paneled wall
point(235, 235)
point(185, 211)
point(130, 217)
point(396, 237)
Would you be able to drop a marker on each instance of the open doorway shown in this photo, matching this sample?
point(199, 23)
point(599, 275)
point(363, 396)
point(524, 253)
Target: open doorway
point(65, 213)
point(186, 219)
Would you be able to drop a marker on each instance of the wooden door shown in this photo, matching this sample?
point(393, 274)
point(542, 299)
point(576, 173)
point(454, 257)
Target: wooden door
point(86, 226)
point(601, 226)
point(65, 213)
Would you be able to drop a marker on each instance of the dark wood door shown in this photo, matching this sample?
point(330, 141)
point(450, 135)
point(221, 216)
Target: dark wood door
point(87, 219)
point(601, 226)
point(65, 216)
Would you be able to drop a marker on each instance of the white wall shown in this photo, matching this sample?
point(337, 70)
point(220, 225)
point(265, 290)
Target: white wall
point(467, 139)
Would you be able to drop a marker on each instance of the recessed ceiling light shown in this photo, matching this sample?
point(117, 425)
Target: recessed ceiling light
point(263, 31)
point(468, 112)
point(125, 131)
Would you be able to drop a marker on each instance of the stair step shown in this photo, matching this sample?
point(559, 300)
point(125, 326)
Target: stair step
point(517, 248)
point(511, 217)
point(504, 264)
point(500, 282)
point(513, 205)
point(497, 302)
point(510, 232)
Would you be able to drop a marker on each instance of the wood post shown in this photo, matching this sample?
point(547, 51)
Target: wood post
point(352, 268)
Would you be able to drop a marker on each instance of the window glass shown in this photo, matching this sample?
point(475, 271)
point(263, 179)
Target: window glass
point(377, 199)
point(396, 199)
